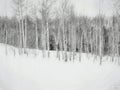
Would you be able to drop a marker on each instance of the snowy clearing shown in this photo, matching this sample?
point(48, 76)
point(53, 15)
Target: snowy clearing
point(36, 73)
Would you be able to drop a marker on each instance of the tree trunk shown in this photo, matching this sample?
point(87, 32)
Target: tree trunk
point(25, 36)
point(5, 28)
point(100, 46)
point(48, 44)
point(20, 38)
point(43, 40)
point(36, 30)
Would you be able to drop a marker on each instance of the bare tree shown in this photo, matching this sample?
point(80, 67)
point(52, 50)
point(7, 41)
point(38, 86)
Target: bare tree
point(34, 15)
point(116, 27)
point(26, 5)
point(45, 11)
point(21, 12)
point(6, 33)
point(64, 12)
point(18, 8)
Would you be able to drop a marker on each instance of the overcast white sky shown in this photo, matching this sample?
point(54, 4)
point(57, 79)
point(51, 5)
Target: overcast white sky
point(83, 7)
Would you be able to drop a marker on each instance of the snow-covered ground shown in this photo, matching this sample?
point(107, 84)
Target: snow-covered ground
point(22, 72)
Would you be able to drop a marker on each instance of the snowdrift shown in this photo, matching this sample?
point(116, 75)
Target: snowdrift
point(33, 72)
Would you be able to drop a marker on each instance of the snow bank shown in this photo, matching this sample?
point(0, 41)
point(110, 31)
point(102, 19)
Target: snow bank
point(36, 73)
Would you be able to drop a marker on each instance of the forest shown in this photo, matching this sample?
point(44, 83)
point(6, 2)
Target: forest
point(59, 29)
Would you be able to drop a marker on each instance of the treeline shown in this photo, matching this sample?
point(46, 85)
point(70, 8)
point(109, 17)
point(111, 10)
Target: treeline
point(66, 32)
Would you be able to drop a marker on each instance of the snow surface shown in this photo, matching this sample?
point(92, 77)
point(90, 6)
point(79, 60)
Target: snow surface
point(33, 72)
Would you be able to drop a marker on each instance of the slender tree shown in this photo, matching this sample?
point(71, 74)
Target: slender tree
point(18, 8)
point(45, 11)
point(34, 12)
point(64, 13)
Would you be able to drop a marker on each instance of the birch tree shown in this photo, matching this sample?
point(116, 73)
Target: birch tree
point(5, 27)
point(45, 11)
point(26, 10)
point(18, 8)
point(34, 14)
point(21, 12)
point(64, 9)
point(116, 23)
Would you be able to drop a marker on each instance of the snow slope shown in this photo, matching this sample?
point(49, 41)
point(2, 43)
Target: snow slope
point(36, 73)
